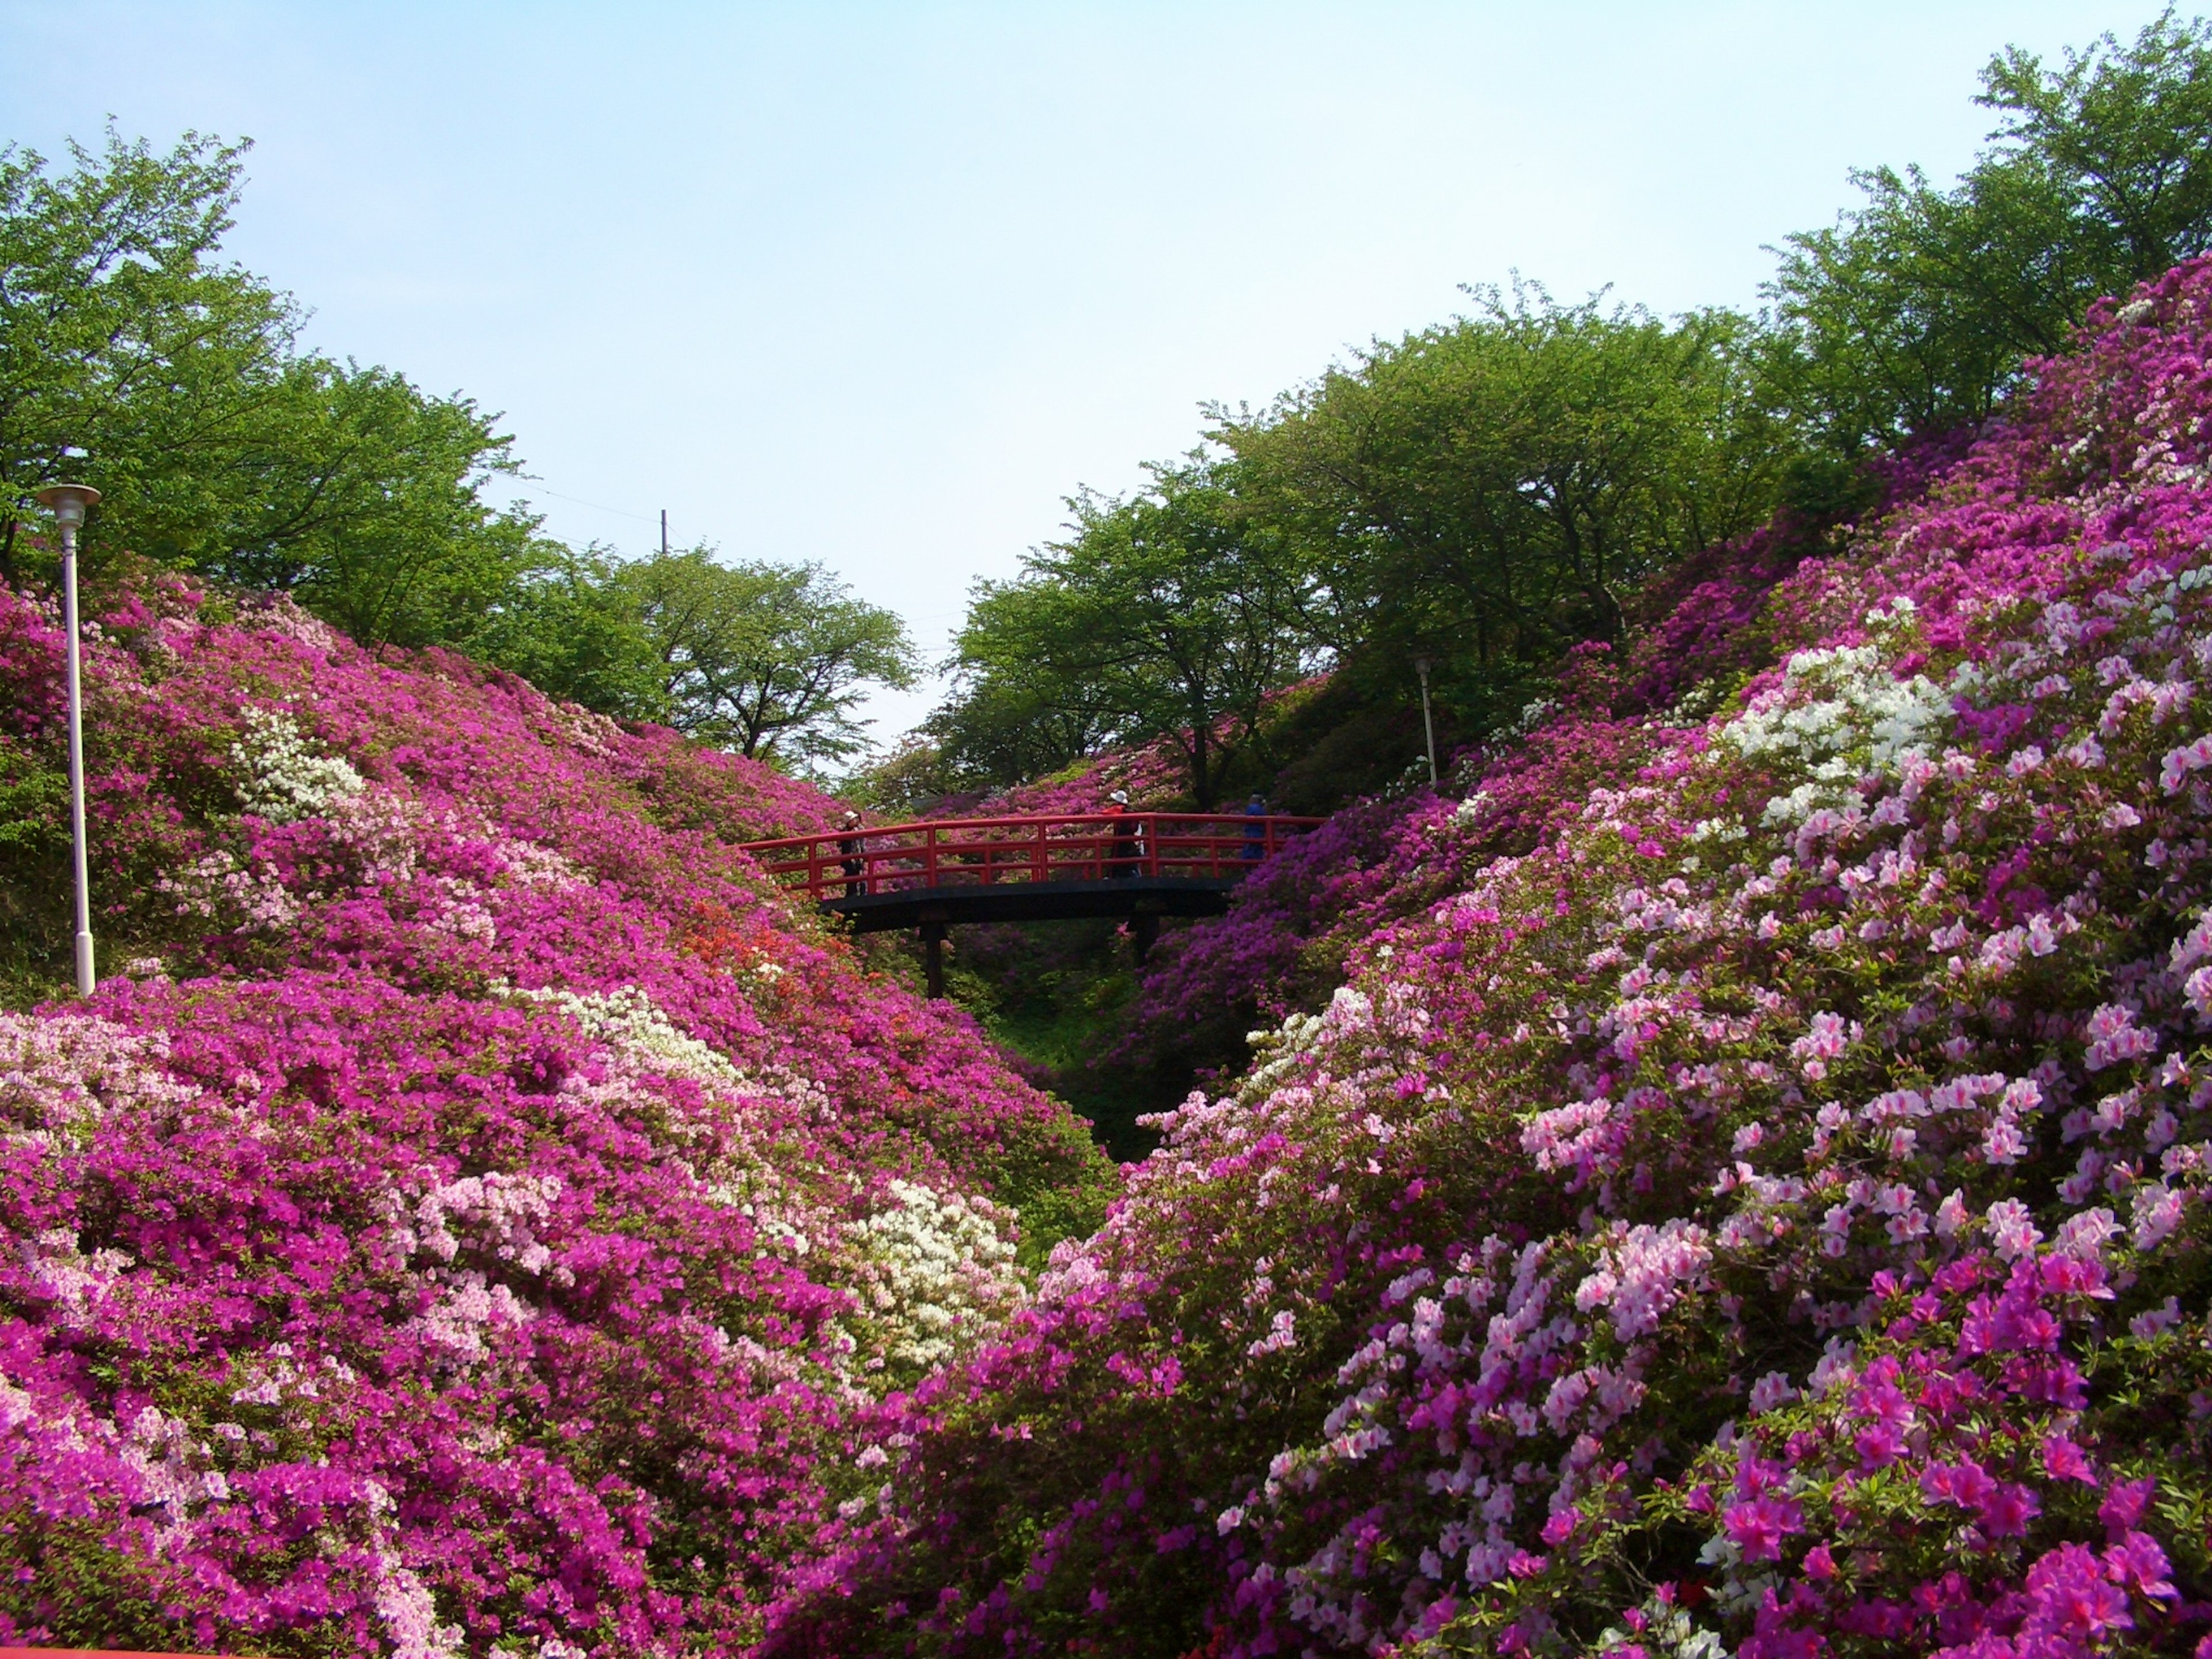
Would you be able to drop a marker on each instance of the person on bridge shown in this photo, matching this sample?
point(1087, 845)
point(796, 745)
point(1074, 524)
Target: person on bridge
point(850, 847)
point(1126, 850)
point(1255, 828)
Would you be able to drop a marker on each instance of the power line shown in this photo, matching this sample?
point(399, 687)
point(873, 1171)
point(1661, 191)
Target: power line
point(600, 507)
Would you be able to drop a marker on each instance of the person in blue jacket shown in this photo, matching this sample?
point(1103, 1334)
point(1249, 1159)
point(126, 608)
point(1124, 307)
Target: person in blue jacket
point(1255, 828)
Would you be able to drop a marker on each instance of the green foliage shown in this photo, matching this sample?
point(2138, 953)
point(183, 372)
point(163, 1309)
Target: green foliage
point(33, 842)
point(117, 323)
point(571, 628)
point(1000, 728)
point(1360, 735)
point(132, 358)
point(1055, 995)
point(1170, 613)
point(1487, 490)
point(1912, 314)
point(362, 498)
point(767, 660)
point(34, 805)
point(913, 780)
point(1062, 1187)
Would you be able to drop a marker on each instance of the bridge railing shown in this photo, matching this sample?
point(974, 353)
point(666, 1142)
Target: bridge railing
point(904, 857)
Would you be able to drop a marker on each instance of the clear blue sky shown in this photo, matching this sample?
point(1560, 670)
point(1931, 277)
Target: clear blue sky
point(878, 285)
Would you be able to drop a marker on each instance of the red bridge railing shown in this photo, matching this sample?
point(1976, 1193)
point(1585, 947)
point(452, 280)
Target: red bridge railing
point(906, 858)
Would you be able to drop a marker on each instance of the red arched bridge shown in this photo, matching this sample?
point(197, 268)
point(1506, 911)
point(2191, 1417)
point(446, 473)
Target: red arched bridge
point(928, 876)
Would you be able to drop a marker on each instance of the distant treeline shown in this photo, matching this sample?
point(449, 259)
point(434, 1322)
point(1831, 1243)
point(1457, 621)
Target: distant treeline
point(1492, 491)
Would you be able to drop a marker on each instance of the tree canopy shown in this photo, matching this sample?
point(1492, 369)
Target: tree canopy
point(1488, 489)
point(1911, 314)
point(132, 357)
point(1482, 493)
point(767, 659)
point(1171, 612)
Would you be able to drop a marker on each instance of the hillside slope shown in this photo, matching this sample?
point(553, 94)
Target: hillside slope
point(477, 1213)
point(1766, 1216)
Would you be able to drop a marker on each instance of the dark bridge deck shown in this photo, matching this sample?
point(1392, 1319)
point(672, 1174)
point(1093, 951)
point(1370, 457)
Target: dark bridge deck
point(932, 875)
point(1033, 901)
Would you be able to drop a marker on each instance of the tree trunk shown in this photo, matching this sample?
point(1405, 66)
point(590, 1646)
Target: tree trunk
point(1201, 769)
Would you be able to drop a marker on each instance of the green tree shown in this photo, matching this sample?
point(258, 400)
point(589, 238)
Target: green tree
point(767, 660)
point(1487, 491)
point(999, 728)
point(133, 357)
point(572, 629)
point(111, 306)
point(1912, 314)
point(1170, 613)
point(363, 498)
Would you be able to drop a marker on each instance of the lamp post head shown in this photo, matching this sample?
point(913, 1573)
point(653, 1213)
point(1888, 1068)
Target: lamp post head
point(67, 503)
point(1421, 667)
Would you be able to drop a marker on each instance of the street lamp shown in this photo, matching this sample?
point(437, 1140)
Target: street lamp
point(68, 502)
point(1428, 721)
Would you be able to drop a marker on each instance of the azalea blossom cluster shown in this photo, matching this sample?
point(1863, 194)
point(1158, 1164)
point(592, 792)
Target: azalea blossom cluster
point(1154, 774)
point(1151, 775)
point(1762, 1212)
point(938, 1271)
point(280, 776)
point(481, 1217)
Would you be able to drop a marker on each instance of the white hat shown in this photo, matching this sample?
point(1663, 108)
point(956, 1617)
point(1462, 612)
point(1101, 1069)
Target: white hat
point(1120, 795)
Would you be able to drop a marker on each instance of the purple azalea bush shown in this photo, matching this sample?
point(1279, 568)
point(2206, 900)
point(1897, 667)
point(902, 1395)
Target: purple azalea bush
point(1763, 1212)
point(476, 1215)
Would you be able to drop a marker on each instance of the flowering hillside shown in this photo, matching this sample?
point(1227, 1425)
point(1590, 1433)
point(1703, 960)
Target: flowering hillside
point(476, 1215)
point(1283, 945)
point(1765, 1214)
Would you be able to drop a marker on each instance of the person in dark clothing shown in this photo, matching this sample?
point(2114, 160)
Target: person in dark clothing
point(850, 847)
point(1127, 847)
point(1255, 828)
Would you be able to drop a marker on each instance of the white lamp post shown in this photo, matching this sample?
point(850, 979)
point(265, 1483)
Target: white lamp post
point(1428, 721)
point(68, 502)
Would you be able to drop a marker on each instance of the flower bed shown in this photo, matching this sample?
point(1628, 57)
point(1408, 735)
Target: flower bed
point(1765, 1215)
point(483, 1216)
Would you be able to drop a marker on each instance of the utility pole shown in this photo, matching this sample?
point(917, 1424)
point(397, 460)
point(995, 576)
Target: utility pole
point(68, 503)
point(1428, 721)
point(664, 533)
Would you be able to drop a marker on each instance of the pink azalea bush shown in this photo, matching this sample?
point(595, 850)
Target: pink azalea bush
point(1281, 945)
point(1151, 775)
point(478, 1216)
point(1155, 776)
point(1763, 1213)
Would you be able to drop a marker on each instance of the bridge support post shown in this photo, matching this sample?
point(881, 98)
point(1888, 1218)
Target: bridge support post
point(932, 956)
point(1144, 933)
